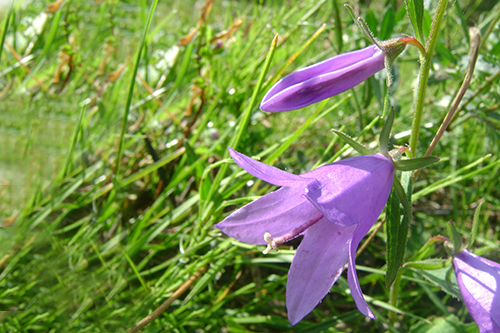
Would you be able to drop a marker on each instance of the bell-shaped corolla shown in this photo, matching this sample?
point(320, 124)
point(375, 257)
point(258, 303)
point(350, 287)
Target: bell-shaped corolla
point(333, 207)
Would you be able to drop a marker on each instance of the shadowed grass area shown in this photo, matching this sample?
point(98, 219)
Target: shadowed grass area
point(90, 249)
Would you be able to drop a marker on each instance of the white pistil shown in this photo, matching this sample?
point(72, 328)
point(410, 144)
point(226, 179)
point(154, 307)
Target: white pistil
point(273, 243)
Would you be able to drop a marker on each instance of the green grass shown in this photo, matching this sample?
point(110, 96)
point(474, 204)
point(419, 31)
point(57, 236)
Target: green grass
point(92, 250)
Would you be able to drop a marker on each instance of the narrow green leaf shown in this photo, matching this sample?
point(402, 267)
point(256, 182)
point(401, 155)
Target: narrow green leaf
point(475, 223)
point(415, 163)
point(355, 145)
point(397, 226)
point(136, 271)
point(386, 132)
point(455, 237)
point(415, 10)
point(394, 224)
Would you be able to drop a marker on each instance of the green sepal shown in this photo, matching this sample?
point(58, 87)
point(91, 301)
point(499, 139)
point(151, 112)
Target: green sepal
point(415, 163)
point(455, 237)
point(350, 10)
point(361, 23)
point(355, 145)
point(383, 139)
point(429, 265)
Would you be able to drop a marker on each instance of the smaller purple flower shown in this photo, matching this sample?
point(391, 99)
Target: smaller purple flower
point(333, 207)
point(479, 282)
point(332, 76)
point(323, 80)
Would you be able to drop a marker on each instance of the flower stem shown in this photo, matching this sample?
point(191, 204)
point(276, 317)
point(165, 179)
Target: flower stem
point(423, 76)
point(394, 296)
point(387, 104)
point(474, 52)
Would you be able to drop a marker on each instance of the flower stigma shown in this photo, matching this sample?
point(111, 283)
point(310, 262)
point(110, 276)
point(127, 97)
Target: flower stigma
point(273, 243)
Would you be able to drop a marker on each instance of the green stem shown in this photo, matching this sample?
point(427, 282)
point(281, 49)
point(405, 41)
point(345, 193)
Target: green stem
point(387, 104)
point(423, 76)
point(394, 296)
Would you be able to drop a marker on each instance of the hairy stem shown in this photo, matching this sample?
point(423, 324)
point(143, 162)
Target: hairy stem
point(423, 76)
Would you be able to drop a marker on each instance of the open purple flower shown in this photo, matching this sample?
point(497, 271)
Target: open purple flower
point(479, 282)
point(323, 80)
point(333, 206)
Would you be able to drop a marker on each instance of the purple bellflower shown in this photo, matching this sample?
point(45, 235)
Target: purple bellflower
point(479, 282)
point(333, 207)
point(332, 76)
point(323, 80)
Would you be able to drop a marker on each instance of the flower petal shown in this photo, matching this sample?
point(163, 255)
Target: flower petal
point(317, 264)
point(266, 172)
point(353, 190)
point(352, 275)
point(277, 213)
point(479, 282)
point(323, 80)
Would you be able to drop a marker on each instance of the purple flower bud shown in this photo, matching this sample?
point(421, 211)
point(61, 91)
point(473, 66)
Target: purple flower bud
point(333, 206)
point(479, 282)
point(323, 80)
